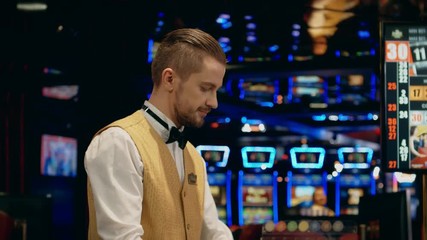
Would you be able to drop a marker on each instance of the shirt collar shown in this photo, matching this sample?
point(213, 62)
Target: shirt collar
point(160, 129)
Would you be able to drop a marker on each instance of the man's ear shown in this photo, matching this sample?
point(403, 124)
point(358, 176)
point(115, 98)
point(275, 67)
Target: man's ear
point(167, 79)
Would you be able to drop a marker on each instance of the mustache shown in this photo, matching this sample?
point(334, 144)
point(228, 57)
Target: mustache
point(207, 110)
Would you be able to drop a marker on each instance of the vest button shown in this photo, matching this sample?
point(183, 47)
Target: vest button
point(188, 226)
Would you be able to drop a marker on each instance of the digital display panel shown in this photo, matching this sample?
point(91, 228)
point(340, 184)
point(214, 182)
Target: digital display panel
point(350, 198)
point(355, 157)
point(312, 88)
point(262, 91)
point(58, 156)
point(301, 187)
point(219, 194)
point(220, 184)
point(62, 92)
point(302, 195)
point(257, 195)
point(356, 88)
point(310, 201)
point(214, 155)
point(257, 215)
point(258, 156)
point(307, 157)
point(404, 98)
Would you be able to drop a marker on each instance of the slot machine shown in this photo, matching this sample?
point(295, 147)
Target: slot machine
point(356, 178)
point(307, 188)
point(257, 186)
point(219, 178)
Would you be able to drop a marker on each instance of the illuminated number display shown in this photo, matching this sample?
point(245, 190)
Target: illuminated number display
point(404, 122)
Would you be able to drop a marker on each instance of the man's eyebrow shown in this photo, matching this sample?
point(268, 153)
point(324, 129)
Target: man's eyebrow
point(209, 84)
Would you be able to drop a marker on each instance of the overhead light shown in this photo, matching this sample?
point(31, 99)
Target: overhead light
point(31, 6)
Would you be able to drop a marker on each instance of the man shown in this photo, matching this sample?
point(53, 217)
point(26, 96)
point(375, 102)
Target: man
point(143, 183)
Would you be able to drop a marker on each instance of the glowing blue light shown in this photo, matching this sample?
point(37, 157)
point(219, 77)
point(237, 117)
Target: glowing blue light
point(248, 163)
point(365, 150)
point(273, 48)
point(251, 39)
point(337, 53)
point(224, 149)
point(251, 26)
point(363, 34)
point(319, 118)
point(295, 33)
point(248, 17)
point(266, 104)
point(226, 25)
point(342, 117)
point(296, 26)
point(317, 165)
point(150, 50)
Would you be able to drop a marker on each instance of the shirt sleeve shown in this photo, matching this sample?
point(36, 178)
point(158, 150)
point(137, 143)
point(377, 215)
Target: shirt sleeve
point(213, 227)
point(115, 171)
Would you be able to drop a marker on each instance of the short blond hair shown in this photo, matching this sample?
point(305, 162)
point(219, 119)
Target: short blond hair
point(183, 50)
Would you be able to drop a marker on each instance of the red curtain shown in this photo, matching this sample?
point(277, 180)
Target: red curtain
point(12, 144)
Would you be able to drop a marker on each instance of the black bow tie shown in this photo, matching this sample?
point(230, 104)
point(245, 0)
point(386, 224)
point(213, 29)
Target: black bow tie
point(176, 135)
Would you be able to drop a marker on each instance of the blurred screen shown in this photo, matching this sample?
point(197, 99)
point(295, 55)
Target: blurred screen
point(58, 156)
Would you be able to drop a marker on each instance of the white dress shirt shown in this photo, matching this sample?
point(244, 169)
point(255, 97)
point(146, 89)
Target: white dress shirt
point(116, 174)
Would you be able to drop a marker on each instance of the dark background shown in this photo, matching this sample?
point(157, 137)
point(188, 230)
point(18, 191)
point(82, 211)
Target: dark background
point(101, 46)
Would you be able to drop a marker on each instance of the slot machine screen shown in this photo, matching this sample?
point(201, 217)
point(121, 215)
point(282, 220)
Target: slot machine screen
point(307, 87)
point(307, 157)
point(404, 98)
point(355, 158)
point(302, 186)
point(220, 198)
point(257, 215)
point(257, 195)
point(262, 90)
point(58, 156)
point(214, 155)
point(258, 157)
point(302, 196)
point(356, 88)
point(218, 194)
point(257, 198)
point(350, 198)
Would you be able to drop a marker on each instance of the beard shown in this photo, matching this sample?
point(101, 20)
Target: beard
point(189, 119)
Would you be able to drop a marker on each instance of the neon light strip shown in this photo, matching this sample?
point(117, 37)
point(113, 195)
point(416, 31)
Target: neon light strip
point(337, 196)
point(366, 150)
point(289, 189)
point(373, 187)
point(275, 202)
point(317, 165)
point(228, 193)
point(262, 165)
point(224, 149)
point(240, 197)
